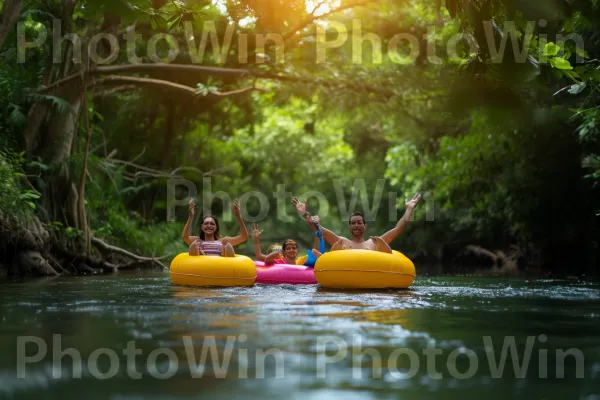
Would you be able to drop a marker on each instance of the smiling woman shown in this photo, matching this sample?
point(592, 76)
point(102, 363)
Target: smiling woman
point(210, 242)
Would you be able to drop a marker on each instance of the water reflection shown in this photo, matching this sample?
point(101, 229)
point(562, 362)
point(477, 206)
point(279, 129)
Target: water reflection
point(184, 292)
point(302, 325)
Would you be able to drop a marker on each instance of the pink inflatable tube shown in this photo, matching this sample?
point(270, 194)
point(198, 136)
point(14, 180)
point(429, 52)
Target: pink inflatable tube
point(284, 273)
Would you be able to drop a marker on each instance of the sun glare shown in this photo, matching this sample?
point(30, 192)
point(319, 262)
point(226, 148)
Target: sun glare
point(315, 7)
point(221, 5)
point(322, 6)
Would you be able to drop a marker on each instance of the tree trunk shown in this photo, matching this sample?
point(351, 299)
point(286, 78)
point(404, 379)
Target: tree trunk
point(169, 133)
point(55, 148)
point(37, 115)
point(61, 198)
point(58, 141)
point(8, 18)
point(83, 225)
point(168, 136)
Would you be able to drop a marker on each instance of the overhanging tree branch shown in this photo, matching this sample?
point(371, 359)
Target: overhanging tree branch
point(313, 17)
point(211, 71)
point(161, 84)
point(123, 80)
point(118, 89)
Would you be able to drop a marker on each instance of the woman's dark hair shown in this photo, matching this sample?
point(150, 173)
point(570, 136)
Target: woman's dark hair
point(356, 214)
point(217, 232)
point(288, 241)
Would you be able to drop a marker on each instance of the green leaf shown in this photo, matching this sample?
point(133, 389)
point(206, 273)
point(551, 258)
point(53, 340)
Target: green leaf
point(29, 195)
point(560, 63)
point(158, 22)
point(571, 74)
point(41, 166)
point(581, 52)
point(568, 26)
point(59, 104)
point(577, 88)
point(551, 49)
point(174, 21)
point(17, 117)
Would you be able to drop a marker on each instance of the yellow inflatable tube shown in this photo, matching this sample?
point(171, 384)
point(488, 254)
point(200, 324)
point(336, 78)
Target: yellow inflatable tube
point(212, 271)
point(364, 269)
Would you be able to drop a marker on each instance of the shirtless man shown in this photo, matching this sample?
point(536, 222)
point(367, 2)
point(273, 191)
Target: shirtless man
point(358, 227)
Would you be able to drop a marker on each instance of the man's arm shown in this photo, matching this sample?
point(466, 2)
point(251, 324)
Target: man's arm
point(401, 225)
point(328, 235)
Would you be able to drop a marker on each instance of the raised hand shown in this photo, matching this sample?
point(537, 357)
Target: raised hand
point(300, 207)
point(414, 201)
point(377, 240)
point(255, 232)
point(236, 208)
point(197, 248)
point(192, 207)
point(381, 245)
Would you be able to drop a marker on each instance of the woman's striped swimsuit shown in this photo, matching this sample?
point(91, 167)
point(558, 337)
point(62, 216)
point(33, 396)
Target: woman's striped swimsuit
point(212, 247)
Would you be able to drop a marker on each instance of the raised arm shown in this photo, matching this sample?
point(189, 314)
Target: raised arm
point(401, 225)
point(186, 229)
point(330, 237)
point(316, 222)
point(243, 236)
point(257, 252)
point(272, 257)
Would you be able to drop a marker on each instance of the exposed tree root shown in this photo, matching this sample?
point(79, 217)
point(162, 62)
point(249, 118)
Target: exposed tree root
point(503, 263)
point(31, 249)
point(104, 247)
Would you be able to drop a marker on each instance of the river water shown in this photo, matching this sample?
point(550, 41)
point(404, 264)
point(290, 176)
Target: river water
point(136, 336)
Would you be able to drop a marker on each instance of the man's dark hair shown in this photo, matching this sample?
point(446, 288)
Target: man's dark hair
point(357, 214)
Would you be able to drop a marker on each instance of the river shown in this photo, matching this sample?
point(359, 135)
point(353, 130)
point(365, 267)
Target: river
point(136, 336)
